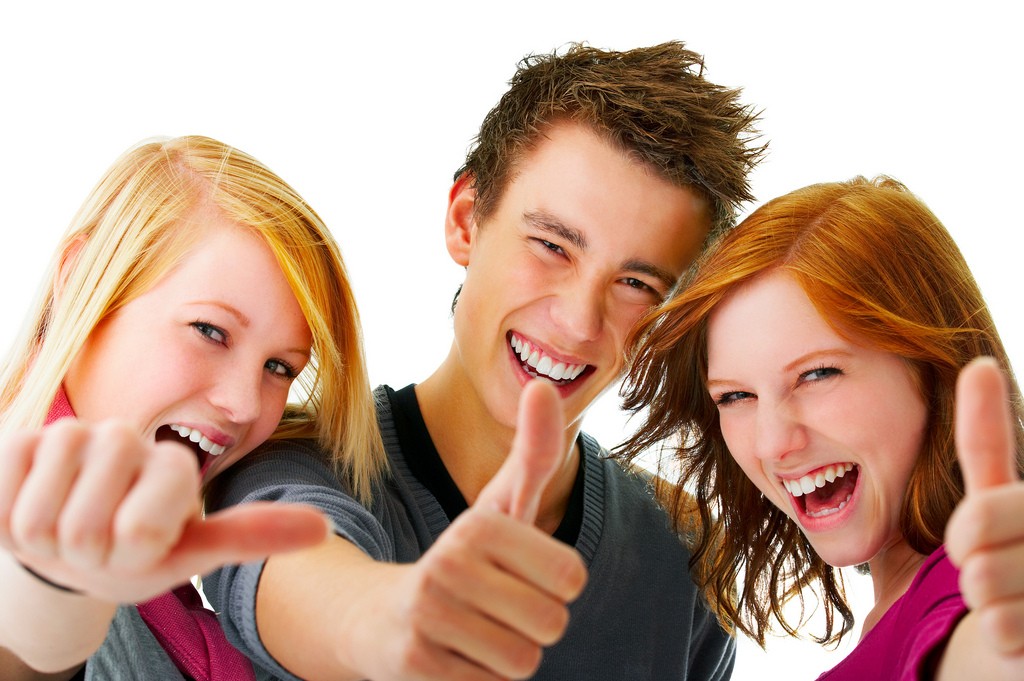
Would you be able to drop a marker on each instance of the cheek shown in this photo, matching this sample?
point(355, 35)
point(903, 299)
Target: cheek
point(737, 439)
point(272, 408)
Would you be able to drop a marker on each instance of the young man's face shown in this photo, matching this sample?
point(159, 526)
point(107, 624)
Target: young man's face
point(583, 241)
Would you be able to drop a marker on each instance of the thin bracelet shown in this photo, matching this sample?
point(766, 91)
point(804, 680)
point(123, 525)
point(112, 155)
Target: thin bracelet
point(47, 582)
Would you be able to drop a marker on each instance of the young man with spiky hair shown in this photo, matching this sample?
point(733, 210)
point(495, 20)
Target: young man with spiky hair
point(593, 184)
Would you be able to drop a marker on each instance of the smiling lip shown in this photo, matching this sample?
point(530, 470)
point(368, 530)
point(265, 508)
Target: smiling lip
point(835, 511)
point(533, 361)
point(207, 446)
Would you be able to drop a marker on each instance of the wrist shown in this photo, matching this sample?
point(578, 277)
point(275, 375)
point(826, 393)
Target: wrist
point(49, 582)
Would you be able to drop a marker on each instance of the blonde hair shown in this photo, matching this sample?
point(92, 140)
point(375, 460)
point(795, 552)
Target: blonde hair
point(132, 230)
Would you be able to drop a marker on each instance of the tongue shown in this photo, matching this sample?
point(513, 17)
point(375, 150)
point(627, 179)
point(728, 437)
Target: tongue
point(832, 494)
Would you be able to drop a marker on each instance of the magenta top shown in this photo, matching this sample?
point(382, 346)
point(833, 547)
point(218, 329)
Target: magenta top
point(902, 645)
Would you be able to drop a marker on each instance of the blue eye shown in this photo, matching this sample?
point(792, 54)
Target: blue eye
point(820, 374)
point(207, 330)
point(726, 399)
point(281, 368)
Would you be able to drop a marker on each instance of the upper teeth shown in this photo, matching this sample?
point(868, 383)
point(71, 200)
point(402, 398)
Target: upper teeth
point(194, 435)
point(544, 365)
point(809, 483)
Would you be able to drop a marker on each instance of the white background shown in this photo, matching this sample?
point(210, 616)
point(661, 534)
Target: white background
point(369, 111)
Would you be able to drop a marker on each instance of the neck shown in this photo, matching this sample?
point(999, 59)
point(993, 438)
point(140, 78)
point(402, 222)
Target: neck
point(892, 572)
point(473, 444)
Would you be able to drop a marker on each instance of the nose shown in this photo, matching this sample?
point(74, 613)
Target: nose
point(579, 312)
point(780, 431)
point(237, 394)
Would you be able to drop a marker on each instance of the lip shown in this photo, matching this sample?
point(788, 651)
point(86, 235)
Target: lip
point(564, 389)
point(214, 435)
point(824, 523)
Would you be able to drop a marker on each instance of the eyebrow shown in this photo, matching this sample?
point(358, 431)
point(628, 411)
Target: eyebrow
point(244, 320)
point(651, 270)
point(827, 352)
point(230, 309)
point(552, 225)
point(802, 359)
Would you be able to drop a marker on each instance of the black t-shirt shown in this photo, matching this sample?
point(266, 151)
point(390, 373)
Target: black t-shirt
point(427, 467)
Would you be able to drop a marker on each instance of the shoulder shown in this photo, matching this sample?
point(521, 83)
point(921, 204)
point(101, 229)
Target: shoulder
point(936, 578)
point(630, 485)
point(271, 470)
point(629, 497)
point(130, 651)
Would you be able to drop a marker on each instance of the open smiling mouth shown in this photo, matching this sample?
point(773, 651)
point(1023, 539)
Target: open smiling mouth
point(539, 365)
point(825, 491)
point(204, 448)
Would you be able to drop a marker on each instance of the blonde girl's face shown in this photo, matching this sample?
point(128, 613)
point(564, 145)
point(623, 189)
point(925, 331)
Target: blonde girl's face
point(206, 356)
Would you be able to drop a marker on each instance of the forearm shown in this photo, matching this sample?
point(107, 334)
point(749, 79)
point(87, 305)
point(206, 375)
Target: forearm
point(48, 629)
point(13, 669)
point(307, 608)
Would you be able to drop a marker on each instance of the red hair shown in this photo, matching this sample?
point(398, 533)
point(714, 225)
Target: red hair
point(883, 271)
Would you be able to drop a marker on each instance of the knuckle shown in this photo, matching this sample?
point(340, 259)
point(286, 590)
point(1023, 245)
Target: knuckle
point(445, 567)
point(471, 527)
point(422, 609)
point(570, 575)
point(79, 536)
point(32, 532)
point(982, 515)
point(978, 579)
point(143, 535)
point(553, 622)
point(1003, 625)
point(174, 459)
point(413, 658)
point(524, 660)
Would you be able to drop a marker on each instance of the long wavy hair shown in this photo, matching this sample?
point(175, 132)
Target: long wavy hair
point(132, 230)
point(883, 271)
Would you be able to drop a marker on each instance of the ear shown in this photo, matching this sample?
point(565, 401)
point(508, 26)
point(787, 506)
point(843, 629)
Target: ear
point(68, 260)
point(459, 224)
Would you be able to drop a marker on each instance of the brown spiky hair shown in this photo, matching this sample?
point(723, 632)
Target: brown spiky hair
point(654, 103)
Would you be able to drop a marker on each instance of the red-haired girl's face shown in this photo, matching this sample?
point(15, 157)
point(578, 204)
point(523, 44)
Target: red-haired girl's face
point(827, 429)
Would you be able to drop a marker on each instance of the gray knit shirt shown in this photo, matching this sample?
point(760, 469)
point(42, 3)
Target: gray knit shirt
point(639, 617)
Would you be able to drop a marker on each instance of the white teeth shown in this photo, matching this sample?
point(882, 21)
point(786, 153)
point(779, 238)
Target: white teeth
point(542, 364)
point(808, 484)
point(193, 435)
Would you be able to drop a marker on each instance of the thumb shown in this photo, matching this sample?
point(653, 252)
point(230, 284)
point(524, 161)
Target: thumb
point(537, 452)
point(247, 532)
point(984, 433)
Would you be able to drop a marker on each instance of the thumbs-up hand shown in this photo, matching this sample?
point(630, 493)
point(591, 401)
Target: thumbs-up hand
point(102, 510)
point(517, 488)
point(492, 592)
point(985, 536)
